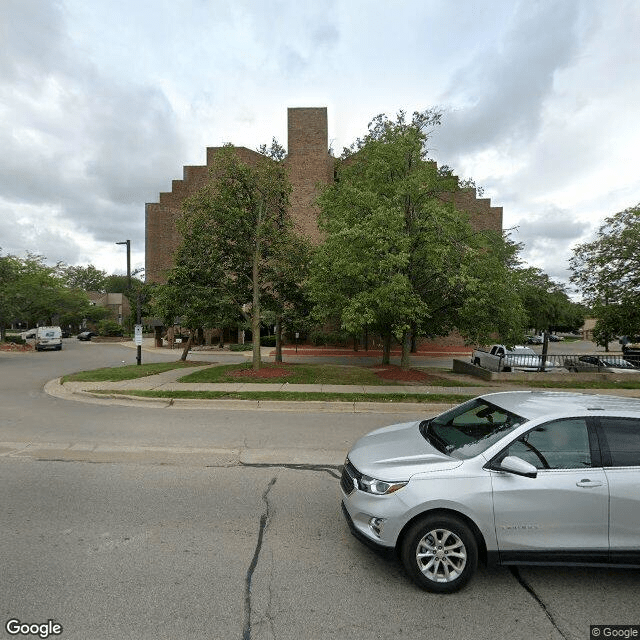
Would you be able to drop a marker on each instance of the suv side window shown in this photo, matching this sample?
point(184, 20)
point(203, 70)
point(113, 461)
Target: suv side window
point(621, 441)
point(563, 444)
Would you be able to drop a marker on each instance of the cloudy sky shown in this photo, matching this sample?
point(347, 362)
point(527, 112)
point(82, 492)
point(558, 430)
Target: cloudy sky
point(102, 102)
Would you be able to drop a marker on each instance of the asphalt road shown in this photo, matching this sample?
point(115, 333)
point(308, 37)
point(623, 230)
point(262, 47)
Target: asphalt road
point(147, 527)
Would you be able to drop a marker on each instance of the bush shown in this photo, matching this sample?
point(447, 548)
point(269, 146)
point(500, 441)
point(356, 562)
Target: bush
point(15, 340)
point(268, 341)
point(247, 346)
point(332, 338)
point(109, 328)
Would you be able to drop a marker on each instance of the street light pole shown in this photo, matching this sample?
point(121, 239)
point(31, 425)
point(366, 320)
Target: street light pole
point(128, 243)
point(138, 310)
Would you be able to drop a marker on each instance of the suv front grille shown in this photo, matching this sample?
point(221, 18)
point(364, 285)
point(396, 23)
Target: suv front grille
point(350, 477)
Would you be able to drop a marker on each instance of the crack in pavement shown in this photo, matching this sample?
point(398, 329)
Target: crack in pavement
point(264, 523)
point(333, 470)
point(531, 591)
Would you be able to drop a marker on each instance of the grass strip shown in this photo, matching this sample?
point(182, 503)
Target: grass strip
point(441, 398)
point(129, 372)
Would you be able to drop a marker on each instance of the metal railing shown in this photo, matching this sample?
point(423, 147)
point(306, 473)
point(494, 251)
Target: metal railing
point(588, 362)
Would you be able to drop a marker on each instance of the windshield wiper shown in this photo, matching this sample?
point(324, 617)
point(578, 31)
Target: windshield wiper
point(435, 440)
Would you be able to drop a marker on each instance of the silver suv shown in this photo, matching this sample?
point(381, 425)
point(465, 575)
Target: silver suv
point(509, 478)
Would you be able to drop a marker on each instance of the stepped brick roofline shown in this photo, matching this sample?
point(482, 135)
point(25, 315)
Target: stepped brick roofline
point(309, 163)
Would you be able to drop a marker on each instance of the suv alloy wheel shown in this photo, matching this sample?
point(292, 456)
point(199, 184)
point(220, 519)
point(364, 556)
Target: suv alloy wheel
point(440, 553)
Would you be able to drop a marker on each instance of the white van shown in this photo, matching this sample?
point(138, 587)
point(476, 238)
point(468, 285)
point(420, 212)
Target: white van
point(48, 338)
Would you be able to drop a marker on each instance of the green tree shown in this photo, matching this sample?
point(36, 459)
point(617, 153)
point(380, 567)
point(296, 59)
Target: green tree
point(189, 298)
point(117, 283)
point(607, 272)
point(547, 303)
point(87, 278)
point(236, 236)
point(9, 308)
point(36, 293)
point(398, 258)
point(39, 290)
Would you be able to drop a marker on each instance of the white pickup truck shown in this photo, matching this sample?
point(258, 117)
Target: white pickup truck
point(500, 358)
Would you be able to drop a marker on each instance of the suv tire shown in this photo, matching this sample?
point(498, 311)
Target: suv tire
point(440, 553)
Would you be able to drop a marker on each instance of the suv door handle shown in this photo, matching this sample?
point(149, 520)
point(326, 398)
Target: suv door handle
point(589, 484)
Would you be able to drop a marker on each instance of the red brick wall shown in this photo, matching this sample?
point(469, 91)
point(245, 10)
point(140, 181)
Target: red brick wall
point(309, 164)
point(162, 237)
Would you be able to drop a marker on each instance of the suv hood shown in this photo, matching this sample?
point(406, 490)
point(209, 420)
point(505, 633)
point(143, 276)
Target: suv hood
point(397, 452)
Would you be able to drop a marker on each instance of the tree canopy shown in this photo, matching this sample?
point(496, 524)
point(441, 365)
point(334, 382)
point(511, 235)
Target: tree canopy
point(398, 257)
point(87, 278)
point(607, 273)
point(546, 302)
point(239, 254)
point(36, 293)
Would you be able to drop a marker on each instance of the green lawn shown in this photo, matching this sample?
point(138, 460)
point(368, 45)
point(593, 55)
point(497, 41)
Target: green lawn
point(311, 374)
point(128, 372)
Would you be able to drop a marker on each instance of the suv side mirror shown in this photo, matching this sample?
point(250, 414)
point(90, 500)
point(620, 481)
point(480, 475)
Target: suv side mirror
point(518, 466)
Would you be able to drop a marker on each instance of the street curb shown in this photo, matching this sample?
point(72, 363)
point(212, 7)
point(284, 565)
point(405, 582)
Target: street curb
point(198, 456)
point(56, 389)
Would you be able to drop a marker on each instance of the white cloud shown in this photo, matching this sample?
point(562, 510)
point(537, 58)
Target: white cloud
point(106, 101)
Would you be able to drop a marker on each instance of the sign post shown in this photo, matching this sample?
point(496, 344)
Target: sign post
point(137, 337)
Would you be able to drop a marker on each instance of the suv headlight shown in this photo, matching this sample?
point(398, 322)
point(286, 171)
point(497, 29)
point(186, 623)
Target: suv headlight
point(378, 487)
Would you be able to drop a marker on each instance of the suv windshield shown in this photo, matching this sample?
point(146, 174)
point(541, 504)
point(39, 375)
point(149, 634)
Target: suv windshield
point(470, 428)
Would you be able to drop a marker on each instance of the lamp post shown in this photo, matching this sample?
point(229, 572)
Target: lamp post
point(128, 243)
point(138, 329)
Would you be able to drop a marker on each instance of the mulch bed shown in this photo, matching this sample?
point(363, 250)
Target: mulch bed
point(10, 346)
point(273, 371)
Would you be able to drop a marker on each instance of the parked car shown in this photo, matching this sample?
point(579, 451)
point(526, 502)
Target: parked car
point(48, 338)
point(29, 334)
point(596, 364)
point(86, 335)
point(524, 477)
point(501, 358)
point(631, 349)
point(534, 340)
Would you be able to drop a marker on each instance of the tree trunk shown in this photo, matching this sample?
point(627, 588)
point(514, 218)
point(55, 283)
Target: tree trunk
point(187, 347)
point(255, 308)
point(386, 349)
point(278, 339)
point(406, 349)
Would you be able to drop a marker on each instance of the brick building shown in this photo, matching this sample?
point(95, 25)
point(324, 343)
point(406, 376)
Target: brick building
point(309, 164)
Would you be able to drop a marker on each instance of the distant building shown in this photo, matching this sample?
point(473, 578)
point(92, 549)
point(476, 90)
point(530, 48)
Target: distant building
point(309, 163)
point(117, 303)
point(589, 325)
